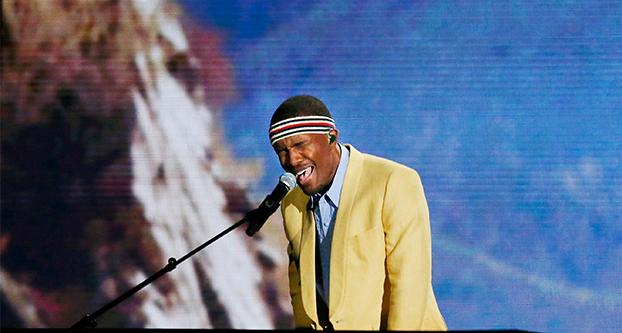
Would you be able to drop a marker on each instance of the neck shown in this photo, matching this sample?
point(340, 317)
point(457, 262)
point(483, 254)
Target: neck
point(337, 154)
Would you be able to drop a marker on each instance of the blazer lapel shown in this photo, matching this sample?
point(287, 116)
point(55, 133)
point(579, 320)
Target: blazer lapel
point(307, 265)
point(340, 234)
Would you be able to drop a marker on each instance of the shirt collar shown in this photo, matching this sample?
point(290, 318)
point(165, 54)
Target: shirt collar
point(334, 192)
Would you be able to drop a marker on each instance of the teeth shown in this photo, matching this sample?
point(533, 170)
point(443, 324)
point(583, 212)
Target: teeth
point(303, 172)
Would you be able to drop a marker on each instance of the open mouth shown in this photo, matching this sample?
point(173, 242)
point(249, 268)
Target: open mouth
point(304, 175)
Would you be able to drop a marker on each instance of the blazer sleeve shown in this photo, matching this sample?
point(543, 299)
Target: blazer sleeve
point(406, 223)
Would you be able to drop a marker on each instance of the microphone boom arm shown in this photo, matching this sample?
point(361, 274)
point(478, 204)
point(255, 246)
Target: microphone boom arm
point(88, 321)
point(256, 218)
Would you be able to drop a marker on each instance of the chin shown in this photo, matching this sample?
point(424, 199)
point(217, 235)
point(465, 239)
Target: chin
point(308, 190)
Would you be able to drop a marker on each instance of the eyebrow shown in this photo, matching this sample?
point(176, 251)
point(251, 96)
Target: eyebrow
point(296, 143)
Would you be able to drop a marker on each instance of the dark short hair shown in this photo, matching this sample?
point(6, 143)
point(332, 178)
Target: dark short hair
point(300, 105)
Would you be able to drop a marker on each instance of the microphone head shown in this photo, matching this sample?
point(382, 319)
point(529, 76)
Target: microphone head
point(288, 179)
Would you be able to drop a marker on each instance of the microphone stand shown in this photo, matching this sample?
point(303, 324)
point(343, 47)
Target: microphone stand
point(88, 321)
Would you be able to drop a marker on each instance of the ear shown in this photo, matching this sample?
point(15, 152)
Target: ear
point(333, 134)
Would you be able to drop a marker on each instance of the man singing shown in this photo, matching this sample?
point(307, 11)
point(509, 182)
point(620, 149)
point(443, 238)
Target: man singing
point(358, 230)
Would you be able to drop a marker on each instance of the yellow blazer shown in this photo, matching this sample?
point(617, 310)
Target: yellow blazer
point(381, 263)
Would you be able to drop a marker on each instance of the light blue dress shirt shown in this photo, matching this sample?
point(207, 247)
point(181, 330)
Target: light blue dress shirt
point(325, 211)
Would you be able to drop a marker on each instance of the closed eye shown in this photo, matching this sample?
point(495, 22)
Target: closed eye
point(299, 144)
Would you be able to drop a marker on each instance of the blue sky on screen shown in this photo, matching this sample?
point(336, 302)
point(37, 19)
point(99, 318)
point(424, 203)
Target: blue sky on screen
point(509, 111)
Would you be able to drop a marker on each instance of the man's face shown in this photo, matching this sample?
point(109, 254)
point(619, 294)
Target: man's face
point(311, 158)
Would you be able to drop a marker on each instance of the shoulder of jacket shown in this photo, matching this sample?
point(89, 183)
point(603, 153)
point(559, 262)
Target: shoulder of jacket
point(383, 167)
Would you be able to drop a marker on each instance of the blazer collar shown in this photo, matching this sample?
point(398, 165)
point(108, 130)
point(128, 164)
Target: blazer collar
point(340, 234)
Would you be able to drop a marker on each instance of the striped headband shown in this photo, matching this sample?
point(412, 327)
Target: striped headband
point(300, 125)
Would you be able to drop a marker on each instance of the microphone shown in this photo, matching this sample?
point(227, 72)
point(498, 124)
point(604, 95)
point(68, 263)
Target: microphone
point(257, 217)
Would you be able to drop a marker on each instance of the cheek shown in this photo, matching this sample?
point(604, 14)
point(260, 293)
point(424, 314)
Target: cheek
point(320, 168)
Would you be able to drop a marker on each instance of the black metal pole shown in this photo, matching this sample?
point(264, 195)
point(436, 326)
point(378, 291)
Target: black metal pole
point(88, 321)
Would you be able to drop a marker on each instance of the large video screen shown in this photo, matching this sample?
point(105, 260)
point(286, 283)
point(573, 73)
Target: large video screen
point(135, 131)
